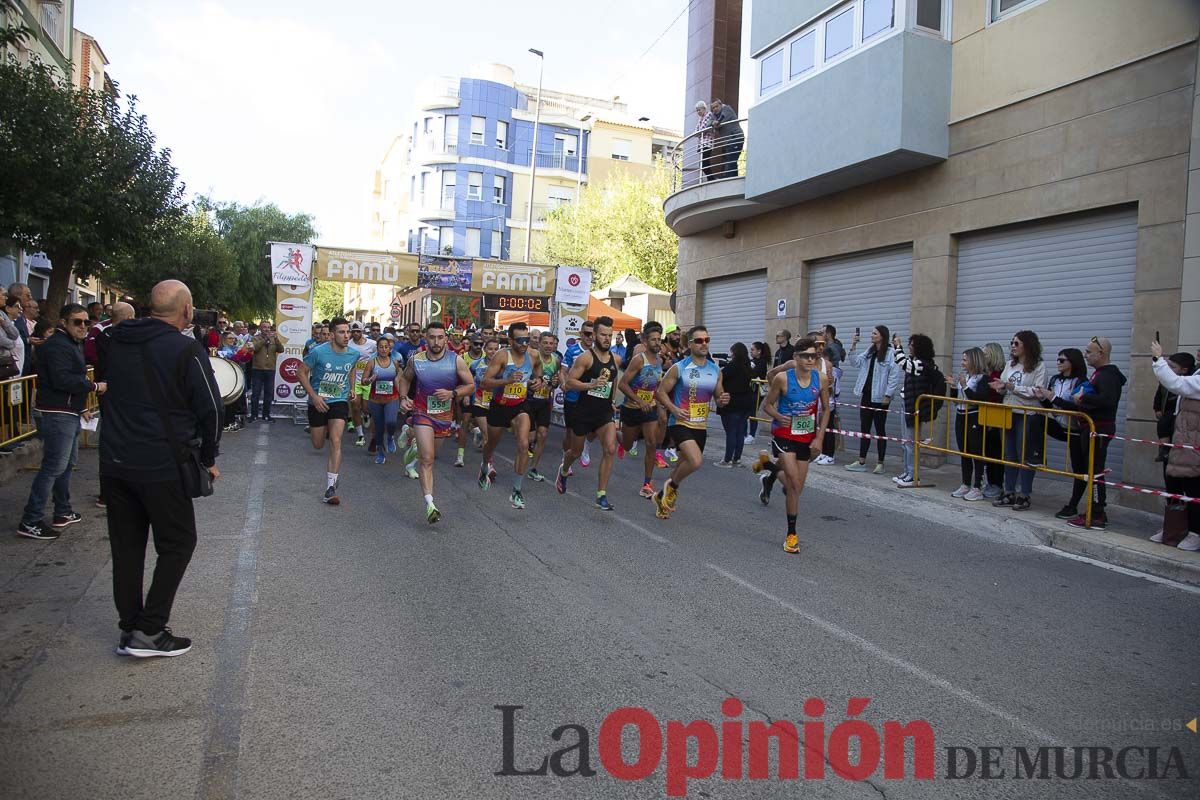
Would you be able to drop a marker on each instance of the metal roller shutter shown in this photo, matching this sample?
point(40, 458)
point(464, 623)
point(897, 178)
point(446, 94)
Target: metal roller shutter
point(861, 290)
point(1067, 280)
point(732, 309)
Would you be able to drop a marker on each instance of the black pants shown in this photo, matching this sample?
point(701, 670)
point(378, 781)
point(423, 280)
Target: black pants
point(991, 448)
point(1190, 487)
point(970, 440)
point(1079, 451)
point(133, 508)
point(866, 418)
point(829, 443)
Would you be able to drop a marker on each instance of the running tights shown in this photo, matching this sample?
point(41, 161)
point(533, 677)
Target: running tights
point(383, 418)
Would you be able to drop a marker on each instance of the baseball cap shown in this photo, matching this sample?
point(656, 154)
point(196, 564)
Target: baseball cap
point(356, 326)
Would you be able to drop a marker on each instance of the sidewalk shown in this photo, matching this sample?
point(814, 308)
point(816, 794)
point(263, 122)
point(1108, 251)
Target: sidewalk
point(1124, 543)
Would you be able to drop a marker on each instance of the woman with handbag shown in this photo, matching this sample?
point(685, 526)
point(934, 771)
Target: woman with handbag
point(1183, 463)
point(1024, 373)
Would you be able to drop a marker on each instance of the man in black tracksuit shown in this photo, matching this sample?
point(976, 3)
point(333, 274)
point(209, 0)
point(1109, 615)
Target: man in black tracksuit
point(1098, 397)
point(139, 469)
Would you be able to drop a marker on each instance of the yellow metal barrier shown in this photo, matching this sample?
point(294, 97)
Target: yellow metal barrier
point(994, 416)
point(17, 396)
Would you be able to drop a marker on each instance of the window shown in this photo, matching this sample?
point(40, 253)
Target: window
point(877, 17)
point(502, 135)
point(412, 188)
point(472, 248)
point(474, 185)
point(409, 241)
point(929, 14)
point(477, 124)
point(839, 34)
point(428, 125)
point(772, 72)
point(1002, 8)
point(448, 178)
point(446, 239)
point(498, 189)
point(565, 143)
point(422, 245)
point(621, 149)
point(451, 139)
point(52, 22)
point(559, 196)
point(497, 243)
point(803, 54)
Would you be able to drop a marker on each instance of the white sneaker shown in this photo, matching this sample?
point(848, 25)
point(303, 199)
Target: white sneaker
point(633, 451)
point(1158, 537)
point(824, 461)
point(585, 460)
point(974, 494)
point(748, 440)
point(906, 482)
point(1190, 542)
point(960, 492)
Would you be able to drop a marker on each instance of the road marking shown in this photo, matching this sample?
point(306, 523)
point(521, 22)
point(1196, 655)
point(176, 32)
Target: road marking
point(878, 652)
point(260, 458)
point(1133, 573)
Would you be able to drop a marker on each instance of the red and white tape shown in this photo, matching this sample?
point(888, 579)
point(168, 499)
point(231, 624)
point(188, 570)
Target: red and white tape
point(1154, 442)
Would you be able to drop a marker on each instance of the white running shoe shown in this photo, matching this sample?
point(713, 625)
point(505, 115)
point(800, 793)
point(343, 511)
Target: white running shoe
point(748, 440)
point(974, 494)
point(633, 450)
point(960, 492)
point(1190, 542)
point(824, 461)
point(1158, 537)
point(585, 460)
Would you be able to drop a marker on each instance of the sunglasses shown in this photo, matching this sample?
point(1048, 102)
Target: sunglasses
point(587, 333)
point(700, 340)
point(521, 340)
point(806, 356)
point(80, 322)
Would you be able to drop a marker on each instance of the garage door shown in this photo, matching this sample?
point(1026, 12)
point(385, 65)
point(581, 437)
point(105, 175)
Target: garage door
point(1068, 280)
point(863, 290)
point(732, 309)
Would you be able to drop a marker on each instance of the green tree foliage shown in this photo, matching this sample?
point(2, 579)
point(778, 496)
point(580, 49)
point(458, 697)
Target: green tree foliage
point(246, 230)
point(617, 229)
point(328, 298)
point(12, 34)
point(83, 178)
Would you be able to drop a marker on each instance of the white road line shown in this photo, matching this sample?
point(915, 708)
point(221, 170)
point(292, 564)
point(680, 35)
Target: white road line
point(883, 655)
point(260, 458)
point(1133, 573)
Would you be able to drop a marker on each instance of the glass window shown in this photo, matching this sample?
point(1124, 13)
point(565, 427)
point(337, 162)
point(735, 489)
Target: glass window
point(428, 124)
point(929, 14)
point(451, 134)
point(498, 189)
point(839, 33)
point(621, 149)
point(772, 72)
point(446, 239)
point(472, 248)
point(1002, 7)
point(497, 243)
point(804, 56)
point(502, 135)
point(448, 179)
point(877, 17)
point(477, 124)
point(474, 185)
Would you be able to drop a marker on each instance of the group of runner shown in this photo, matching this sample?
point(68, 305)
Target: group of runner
point(507, 384)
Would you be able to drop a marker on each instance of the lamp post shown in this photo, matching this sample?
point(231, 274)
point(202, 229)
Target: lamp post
point(537, 115)
point(579, 159)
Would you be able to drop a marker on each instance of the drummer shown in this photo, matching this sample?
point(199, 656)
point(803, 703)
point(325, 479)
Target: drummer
point(240, 354)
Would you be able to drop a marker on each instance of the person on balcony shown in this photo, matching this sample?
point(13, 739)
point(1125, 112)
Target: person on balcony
point(704, 141)
point(727, 147)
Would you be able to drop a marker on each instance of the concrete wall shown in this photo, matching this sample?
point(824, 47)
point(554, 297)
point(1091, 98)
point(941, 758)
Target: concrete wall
point(1055, 43)
point(1124, 136)
point(1189, 306)
point(771, 19)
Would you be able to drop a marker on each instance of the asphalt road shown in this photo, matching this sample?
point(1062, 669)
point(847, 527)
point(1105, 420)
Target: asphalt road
point(356, 652)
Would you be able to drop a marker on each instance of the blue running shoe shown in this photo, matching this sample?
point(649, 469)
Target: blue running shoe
point(603, 504)
point(380, 458)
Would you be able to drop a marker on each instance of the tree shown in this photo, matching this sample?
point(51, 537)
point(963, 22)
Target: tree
point(246, 230)
point(83, 178)
point(328, 298)
point(617, 229)
point(14, 35)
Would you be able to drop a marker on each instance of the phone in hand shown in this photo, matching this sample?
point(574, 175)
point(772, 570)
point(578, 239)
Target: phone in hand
point(1156, 337)
point(856, 330)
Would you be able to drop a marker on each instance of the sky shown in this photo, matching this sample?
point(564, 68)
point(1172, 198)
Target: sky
point(295, 101)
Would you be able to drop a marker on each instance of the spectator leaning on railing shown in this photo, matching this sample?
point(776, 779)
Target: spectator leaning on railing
point(1098, 396)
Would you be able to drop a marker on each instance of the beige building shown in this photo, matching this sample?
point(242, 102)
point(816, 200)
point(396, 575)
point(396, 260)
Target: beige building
point(965, 169)
point(51, 23)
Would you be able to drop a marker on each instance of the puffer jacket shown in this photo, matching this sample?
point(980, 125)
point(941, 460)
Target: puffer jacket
point(1182, 462)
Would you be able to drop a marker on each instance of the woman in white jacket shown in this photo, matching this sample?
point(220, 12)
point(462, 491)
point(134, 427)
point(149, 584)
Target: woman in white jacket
point(1024, 372)
point(1183, 463)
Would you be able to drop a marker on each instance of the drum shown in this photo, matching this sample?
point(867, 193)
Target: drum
point(231, 378)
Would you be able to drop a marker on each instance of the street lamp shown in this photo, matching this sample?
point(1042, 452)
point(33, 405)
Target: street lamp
point(579, 158)
point(537, 115)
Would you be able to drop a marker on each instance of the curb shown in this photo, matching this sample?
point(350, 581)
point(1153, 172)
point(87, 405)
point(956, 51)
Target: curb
point(28, 457)
point(1112, 548)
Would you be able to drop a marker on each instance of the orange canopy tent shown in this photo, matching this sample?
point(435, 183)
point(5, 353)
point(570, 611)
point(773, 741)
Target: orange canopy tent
point(596, 308)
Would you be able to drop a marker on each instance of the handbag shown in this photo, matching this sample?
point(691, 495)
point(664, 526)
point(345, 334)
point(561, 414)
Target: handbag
point(8, 366)
point(195, 477)
point(1175, 523)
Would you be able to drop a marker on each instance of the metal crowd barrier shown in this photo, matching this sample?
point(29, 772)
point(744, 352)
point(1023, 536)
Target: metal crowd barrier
point(17, 396)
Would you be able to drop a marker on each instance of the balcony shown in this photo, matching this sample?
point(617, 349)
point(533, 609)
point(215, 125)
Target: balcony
point(443, 210)
point(558, 160)
point(709, 180)
point(433, 151)
point(440, 96)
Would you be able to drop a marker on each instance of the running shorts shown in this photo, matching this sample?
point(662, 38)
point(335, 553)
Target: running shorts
point(682, 433)
point(634, 416)
point(779, 446)
point(339, 409)
point(539, 413)
point(500, 416)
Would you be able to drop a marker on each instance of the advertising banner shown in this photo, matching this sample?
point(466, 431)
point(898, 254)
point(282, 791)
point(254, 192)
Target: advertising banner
point(568, 320)
point(291, 264)
point(574, 285)
point(435, 272)
point(499, 277)
point(366, 266)
point(293, 323)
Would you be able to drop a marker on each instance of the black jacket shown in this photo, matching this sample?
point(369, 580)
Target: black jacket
point(1101, 396)
point(63, 383)
point(133, 440)
point(736, 380)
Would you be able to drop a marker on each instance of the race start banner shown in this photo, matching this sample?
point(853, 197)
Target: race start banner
point(293, 324)
point(291, 264)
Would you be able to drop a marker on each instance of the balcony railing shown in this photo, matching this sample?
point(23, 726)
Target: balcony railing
point(558, 160)
point(710, 155)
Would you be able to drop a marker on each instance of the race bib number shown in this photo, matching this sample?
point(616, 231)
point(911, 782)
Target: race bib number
point(329, 390)
point(646, 396)
point(698, 412)
point(384, 387)
point(484, 400)
point(436, 406)
point(804, 424)
point(603, 391)
point(514, 391)
point(543, 391)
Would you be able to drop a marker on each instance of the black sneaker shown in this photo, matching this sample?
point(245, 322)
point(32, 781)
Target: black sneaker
point(1006, 499)
point(35, 531)
point(164, 643)
point(330, 497)
point(764, 494)
point(1021, 503)
point(63, 520)
point(123, 645)
point(268, 419)
point(1067, 512)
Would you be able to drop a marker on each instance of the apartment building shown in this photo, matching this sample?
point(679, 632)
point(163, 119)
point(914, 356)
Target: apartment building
point(960, 168)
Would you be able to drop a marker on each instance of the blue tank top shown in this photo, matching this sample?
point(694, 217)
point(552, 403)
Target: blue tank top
point(514, 391)
point(383, 382)
point(800, 404)
point(694, 391)
point(647, 378)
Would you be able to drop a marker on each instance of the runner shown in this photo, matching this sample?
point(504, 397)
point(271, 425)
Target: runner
point(462, 410)
point(685, 392)
point(593, 374)
point(440, 378)
point(673, 351)
point(383, 398)
point(587, 332)
point(510, 371)
point(331, 365)
point(793, 401)
point(639, 413)
point(365, 348)
point(540, 403)
point(482, 400)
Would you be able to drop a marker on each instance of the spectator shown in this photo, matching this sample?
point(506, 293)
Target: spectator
point(1099, 397)
point(239, 328)
point(993, 437)
point(163, 416)
point(1071, 372)
point(12, 346)
point(783, 348)
point(971, 383)
point(735, 377)
point(94, 310)
point(834, 350)
point(878, 382)
point(1183, 462)
point(727, 146)
point(834, 374)
point(266, 347)
point(240, 355)
point(618, 347)
point(704, 142)
point(921, 376)
point(760, 362)
point(1022, 440)
point(62, 395)
point(1166, 405)
point(43, 330)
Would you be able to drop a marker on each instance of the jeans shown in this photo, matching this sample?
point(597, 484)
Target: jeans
point(1022, 441)
point(133, 509)
point(735, 433)
point(383, 418)
point(261, 381)
point(754, 427)
point(60, 451)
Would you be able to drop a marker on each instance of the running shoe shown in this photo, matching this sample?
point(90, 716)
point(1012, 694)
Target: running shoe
point(620, 453)
point(672, 455)
point(878, 470)
point(530, 451)
point(603, 504)
point(35, 531)
point(380, 458)
point(791, 543)
point(61, 521)
point(411, 470)
point(491, 472)
point(164, 643)
point(361, 440)
point(960, 492)
point(331, 496)
point(585, 460)
point(101, 502)
point(458, 460)
point(723, 464)
point(661, 509)
point(748, 440)
point(764, 494)
point(670, 495)
point(1190, 543)
point(633, 450)
point(857, 466)
point(534, 475)
point(432, 515)
point(647, 489)
point(391, 444)
point(516, 499)
point(560, 482)
point(659, 461)
point(485, 478)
